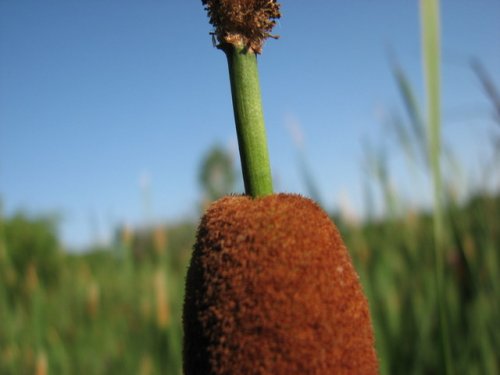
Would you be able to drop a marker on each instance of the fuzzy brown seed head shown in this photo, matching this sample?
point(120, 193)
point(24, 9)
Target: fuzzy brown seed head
point(271, 289)
point(245, 23)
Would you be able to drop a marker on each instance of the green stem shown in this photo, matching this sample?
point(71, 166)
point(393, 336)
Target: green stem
point(431, 52)
point(249, 118)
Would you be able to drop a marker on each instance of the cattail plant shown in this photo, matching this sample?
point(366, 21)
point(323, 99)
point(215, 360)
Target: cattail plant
point(146, 366)
point(93, 299)
point(271, 288)
point(42, 364)
point(31, 279)
point(161, 298)
point(160, 241)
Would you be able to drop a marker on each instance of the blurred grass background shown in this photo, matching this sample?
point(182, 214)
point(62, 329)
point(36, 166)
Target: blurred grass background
point(117, 309)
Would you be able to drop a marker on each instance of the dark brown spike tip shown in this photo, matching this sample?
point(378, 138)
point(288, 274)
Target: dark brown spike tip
point(244, 23)
point(271, 289)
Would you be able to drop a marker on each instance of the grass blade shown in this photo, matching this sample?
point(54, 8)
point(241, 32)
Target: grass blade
point(429, 14)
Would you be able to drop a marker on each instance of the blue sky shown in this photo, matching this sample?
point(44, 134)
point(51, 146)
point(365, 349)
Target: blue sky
point(97, 96)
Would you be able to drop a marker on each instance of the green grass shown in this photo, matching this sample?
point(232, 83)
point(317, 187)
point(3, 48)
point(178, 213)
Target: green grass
point(116, 330)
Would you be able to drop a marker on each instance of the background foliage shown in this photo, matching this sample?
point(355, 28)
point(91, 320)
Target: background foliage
point(118, 309)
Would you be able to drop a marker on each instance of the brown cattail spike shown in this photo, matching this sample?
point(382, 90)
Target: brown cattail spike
point(244, 23)
point(271, 289)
